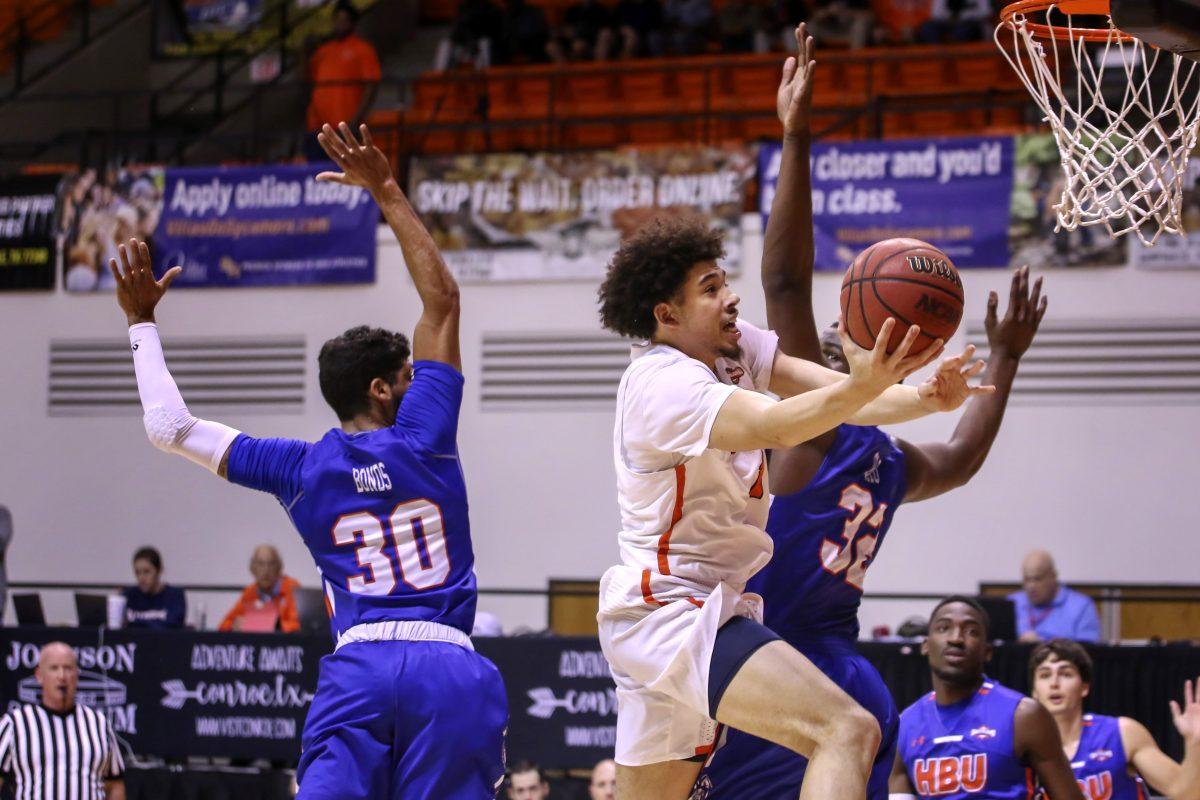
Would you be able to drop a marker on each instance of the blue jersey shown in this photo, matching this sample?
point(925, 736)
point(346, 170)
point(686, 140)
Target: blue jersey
point(384, 512)
point(965, 750)
point(827, 534)
point(1100, 765)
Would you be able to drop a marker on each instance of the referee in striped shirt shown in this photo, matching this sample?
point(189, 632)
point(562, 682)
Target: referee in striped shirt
point(60, 750)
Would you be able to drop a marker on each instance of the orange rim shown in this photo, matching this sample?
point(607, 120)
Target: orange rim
point(1068, 7)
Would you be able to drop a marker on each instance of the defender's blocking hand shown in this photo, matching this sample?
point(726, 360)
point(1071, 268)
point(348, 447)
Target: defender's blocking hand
point(363, 164)
point(137, 291)
point(1012, 335)
point(793, 101)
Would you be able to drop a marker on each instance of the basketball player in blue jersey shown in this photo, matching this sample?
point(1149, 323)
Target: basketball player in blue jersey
point(1110, 756)
point(405, 708)
point(971, 737)
point(834, 496)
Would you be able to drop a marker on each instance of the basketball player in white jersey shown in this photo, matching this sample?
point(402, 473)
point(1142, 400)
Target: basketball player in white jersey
point(691, 426)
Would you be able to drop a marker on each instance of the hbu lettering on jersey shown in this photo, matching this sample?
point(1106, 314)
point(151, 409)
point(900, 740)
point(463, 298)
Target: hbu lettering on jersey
point(935, 777)
point(1097, 787)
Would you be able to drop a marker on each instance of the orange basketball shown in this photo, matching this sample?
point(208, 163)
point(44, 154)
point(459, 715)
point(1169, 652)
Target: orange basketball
point(908, 279)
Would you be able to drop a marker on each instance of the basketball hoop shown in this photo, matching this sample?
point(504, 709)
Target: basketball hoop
point(1124, 155)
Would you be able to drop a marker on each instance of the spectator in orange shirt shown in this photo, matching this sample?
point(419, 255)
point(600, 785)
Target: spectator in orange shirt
point(345, 75)
point(271, 595)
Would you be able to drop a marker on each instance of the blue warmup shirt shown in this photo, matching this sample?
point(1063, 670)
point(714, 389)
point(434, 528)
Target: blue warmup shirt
point(384, 512)
point(167, 609)
point(965, 749)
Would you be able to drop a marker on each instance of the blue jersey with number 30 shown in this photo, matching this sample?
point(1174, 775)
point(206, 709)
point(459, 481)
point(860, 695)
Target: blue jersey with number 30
point(828, 533)
point(384, 512)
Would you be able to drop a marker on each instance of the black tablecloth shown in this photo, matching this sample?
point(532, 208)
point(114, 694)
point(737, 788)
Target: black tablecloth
point(182, 693)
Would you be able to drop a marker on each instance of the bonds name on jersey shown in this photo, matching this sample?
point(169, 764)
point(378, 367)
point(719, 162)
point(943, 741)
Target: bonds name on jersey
point(828, 533)
point(691, 516)
point(1100, 765)
point(383, 512)
point(966, 749)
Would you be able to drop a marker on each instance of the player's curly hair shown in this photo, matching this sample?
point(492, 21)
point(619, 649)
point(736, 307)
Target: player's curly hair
point(1063, 650)
point(650, 268)
point(348, 363)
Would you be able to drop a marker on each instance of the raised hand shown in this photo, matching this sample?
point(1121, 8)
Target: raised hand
point(793, 101)
point(876, 368)
point(363, 164)
point(137, 291)
point(1187, 719)
point(1012, 335)
point(948, 388)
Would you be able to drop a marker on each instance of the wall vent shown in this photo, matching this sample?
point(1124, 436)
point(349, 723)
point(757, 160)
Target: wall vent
point(552, 371)
point(263, 375)
point(1112, 361)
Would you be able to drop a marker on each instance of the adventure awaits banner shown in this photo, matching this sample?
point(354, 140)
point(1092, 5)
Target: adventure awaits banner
point(552, 216)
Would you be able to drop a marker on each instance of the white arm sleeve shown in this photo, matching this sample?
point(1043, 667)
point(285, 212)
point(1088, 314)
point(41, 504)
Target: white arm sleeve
point(169, 424)
point(894, 796)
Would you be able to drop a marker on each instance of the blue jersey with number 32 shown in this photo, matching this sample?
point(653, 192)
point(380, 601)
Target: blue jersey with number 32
point(828, 533)
point(384, 512)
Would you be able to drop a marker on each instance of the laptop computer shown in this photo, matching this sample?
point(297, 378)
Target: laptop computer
point(91, 610)
point(29, 609)
point(1003, 615)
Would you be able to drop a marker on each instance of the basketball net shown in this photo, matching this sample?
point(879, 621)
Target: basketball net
point(1124, 160)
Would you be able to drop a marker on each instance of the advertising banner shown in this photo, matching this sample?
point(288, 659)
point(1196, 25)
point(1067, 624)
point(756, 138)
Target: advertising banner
point(559, 216)
point(178, 693)
point(28, 248)
point(207, 27)
point(245, 226)
point(954, 193)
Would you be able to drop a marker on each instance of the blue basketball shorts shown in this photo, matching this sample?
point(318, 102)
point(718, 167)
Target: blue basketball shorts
point(419, 720)
point(748, 767)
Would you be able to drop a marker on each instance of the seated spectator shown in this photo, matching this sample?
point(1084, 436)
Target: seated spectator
point(586, 33)
point(604, 781)
point(269, 603)
point(843, 23)
point(152, 603)
point(524, 34)
point(470, 40)
point(639, 24)
point(956, 21)
point(742, 27)
point(526, 781)
point(689, 22)
point(1046, 609)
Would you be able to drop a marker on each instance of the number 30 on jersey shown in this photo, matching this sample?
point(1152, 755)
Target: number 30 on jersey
point(853, 554)
point(419, 542)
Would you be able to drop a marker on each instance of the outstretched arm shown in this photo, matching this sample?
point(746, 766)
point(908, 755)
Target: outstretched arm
point(945, 390)
point(934, 469)
point(169, 425)
point(788, 251)
point(751, 421)
point(435, 337)
point(1164, 774)
point(1038, 745)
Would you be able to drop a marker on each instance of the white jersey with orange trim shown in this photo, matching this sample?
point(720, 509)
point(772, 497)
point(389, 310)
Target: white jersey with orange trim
point(692, 517)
